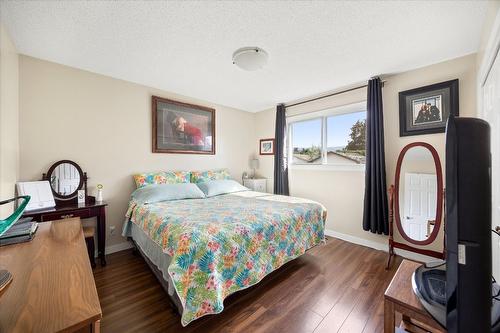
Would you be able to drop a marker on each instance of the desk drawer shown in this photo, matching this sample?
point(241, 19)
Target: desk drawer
point(83, 213)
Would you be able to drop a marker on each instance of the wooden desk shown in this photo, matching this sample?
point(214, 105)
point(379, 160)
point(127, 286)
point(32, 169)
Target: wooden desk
point(399, 297)
point(53, 287)
point(83, 211)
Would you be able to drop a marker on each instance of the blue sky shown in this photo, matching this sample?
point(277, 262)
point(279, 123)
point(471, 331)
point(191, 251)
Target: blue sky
point(308, 133)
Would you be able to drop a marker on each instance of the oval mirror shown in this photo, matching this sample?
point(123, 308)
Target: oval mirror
point(66, 178)
point(418, 197)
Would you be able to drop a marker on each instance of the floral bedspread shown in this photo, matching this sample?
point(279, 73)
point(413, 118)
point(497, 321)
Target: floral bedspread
point(227, 243)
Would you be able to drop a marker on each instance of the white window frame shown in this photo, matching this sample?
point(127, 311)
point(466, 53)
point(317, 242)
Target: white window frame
point(322, 139)
point(323, 115)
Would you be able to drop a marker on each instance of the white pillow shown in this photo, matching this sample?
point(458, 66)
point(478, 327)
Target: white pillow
point(167, 192)
point(217, 187)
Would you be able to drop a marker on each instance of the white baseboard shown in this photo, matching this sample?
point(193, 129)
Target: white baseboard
point(357, 240)
point(379, 246)
point(117, 247)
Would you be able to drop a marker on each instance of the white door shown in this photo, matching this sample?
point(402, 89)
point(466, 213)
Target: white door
point(491, 113)
point(419, 204)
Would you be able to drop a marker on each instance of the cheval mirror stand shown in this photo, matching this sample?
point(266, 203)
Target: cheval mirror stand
point(417, 185)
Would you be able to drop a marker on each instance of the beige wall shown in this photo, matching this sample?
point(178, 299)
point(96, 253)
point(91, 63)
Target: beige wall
point(342, 191)
point(464, 69)
point(9, 124)
point(104, 124)
point(264, 129)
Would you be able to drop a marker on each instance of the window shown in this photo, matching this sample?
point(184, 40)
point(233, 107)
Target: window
point(346, 138)
point(307, 141)
point(333, 137)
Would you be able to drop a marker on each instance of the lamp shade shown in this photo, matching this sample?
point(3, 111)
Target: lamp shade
point(254, 163)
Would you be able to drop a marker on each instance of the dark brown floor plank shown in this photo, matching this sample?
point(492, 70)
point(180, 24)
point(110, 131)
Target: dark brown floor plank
point(338, 286)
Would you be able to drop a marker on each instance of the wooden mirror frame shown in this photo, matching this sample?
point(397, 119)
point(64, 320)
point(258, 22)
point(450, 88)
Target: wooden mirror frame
point(394, 212)
point(82, 184)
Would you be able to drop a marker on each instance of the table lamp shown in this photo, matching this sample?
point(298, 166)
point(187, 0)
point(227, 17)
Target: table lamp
point(254, 164)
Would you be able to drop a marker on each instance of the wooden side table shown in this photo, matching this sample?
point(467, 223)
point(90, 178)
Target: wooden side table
point(83, 211)
point(52, 288)
point(399, 297)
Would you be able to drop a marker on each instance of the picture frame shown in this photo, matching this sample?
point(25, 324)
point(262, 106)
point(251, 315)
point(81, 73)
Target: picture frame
point(81, 196)
point(266, 147)
point(425, 110)
point(182, 128)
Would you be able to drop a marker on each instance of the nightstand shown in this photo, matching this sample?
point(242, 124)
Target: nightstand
point(256, 184)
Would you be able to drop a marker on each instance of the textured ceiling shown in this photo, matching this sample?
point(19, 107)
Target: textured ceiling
point(186, 47)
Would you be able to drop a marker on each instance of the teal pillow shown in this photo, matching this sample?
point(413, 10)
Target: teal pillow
point(166, 192)
point(217, 187)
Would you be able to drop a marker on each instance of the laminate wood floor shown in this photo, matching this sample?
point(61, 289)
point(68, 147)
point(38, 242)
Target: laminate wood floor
point(336, 287)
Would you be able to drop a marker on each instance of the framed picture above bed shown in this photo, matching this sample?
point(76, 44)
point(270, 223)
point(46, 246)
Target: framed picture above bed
point(182, 128)
point(425, 110)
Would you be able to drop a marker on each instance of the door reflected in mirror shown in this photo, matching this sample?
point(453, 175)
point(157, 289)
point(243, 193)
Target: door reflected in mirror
point(65, 179)
point(418, 193)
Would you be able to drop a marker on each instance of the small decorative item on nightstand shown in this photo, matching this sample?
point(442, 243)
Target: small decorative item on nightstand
point(254, 164)
point(98, 196)
point(81, 196)
point(256, 184)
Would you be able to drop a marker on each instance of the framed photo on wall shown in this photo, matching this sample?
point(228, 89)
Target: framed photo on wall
point(182, 128)
point(425, 110)
point(266, 147)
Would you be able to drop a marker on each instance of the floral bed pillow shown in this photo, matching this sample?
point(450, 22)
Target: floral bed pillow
point(161, 177)
point(204, 176)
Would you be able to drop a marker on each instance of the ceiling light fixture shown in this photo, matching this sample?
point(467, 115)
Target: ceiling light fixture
point(250, 58)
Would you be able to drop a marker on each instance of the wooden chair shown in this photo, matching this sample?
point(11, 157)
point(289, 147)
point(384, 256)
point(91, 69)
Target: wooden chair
point(89, 233)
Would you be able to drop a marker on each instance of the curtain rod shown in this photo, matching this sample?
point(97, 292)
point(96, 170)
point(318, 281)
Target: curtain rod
point(329, 95)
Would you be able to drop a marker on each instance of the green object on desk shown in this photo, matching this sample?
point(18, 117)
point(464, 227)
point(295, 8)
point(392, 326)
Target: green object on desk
point(5, 224)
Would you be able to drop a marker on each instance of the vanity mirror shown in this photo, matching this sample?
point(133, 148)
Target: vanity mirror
point(66, 178)
point(416, 199)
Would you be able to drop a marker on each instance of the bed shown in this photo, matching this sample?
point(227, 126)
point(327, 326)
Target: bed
point(203, 250)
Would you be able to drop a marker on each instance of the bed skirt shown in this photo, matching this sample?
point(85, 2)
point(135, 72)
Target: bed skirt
point(174, 299)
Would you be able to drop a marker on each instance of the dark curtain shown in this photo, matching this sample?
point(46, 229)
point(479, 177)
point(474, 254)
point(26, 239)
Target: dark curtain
point(280, 162)
point(375, 214)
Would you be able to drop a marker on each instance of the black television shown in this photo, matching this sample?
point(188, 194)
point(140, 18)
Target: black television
point(460, 292)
